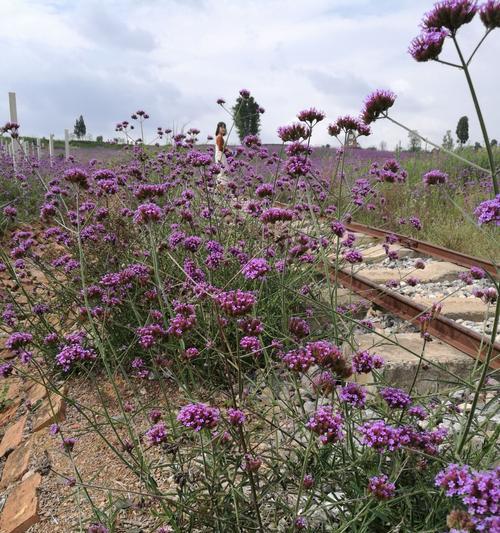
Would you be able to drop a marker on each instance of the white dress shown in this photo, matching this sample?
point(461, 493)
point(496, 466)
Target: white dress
point(220, 158)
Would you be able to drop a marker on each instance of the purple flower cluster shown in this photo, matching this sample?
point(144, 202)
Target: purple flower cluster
point(71, 353)
point(146, 213)
point(381, 488)
point(183, 320)
point(256, 268)
point(490, 14)
point(396, 398)
point(157, 433)
point(434, 177)
point(77, 176)
point(450, 14)
point(251, 344)
point(428, 45)
point(364, 362)
point(489, 211)
point(237, 302)
point(298, 327)
point(479, 491)
point(377, 103)
point(276, 214)
point(353, 256)
point(311, 116)
point(330, 356)
point(327, 424)
point(18, 340)
point(236, 417)
point(148, 335)
point(380, 436)
point(324, 382)
point(353, 394)
point(198, 416)
point(294, 132)
point(390, 172)
point(298, 360)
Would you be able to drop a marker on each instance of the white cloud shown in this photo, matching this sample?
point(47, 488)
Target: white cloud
point(175, 58)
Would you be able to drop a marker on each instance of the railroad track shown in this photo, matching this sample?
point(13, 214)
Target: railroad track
point(449, 331)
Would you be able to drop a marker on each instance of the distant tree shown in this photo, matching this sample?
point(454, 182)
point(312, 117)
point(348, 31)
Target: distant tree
point(448, 140)
point(99, 139)
point(494, 142)
point(80, 129)
point(246, 116)
point(477, 146)
point(398, 148)
point(414, 142)
point(383, 146)
point(463, 130)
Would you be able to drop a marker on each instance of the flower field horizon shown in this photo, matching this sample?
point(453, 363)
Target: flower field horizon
point(181, 352)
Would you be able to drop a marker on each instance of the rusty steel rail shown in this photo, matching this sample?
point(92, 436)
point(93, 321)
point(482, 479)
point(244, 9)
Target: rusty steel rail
point(456, 335)
point(428, 248)
point(423, 247)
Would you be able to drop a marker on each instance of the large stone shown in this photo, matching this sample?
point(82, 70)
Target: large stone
point(13, 436)
point(16, 465)
point(36, 392)
point(50, 411)
point(465, 308)
point(13, 388)
point(376, 253)
point(401, 365)
point(10, 411)
point(21, 509)
point(433, 272)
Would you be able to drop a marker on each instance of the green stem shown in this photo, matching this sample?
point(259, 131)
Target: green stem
point(489, 151)
point(486, 366)
point(434, 145)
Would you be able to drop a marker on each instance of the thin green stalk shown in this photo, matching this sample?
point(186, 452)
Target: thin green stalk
point(479, 113)
point(486, 366)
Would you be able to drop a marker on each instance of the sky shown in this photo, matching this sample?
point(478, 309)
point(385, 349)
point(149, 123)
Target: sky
point(174, 58)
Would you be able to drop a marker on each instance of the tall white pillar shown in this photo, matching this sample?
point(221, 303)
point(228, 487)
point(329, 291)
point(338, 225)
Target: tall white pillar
point(38, 148)
point(13, 154)
point(66, 143)
point(13, 107)
point(51, 147)
point(16, 145)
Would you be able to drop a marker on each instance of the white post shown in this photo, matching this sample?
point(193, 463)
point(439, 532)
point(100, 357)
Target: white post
point(16, 145)
point(38, 148)
point(51, 147)
point(66, 143)
point(13, 107)
point(13, 153)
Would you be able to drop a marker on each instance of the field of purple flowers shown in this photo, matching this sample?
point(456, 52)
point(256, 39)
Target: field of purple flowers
point(227, 386)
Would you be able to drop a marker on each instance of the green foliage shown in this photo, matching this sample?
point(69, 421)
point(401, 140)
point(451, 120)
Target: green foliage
point(414, 142)
point(99, 139)
point(463, 130)
point(80, 129)
point(246, 117)
point(448, 141)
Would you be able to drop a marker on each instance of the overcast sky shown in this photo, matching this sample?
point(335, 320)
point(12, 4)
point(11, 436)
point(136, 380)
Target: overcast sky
point(173, 58)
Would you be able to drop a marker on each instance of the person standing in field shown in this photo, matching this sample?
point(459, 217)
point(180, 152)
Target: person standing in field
point(220, 156)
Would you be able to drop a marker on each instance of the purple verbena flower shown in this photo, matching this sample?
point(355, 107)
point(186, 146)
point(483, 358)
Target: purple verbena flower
point(236, 417)
point(396, 398)
point(198, 416)
point(490, 14)
point(381, 488)
point(353, 394)
point(327, 424)
point(489, 211)
point(157, 433)
point(364, 362)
